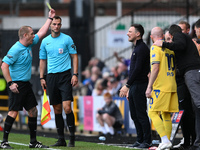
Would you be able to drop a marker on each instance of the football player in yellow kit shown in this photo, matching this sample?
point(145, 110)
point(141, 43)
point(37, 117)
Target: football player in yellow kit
point(162, 89)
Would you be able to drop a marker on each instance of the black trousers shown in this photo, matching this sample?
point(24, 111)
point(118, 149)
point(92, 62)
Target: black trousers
point(188, 119)
point(138, 110)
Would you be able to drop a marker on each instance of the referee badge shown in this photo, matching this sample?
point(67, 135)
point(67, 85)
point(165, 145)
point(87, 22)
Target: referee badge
point(60, 50)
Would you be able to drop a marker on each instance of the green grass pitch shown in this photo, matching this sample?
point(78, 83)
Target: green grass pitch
point(21, 141)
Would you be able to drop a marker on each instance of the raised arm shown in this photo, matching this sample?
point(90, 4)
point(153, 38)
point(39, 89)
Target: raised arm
point(43, 30)
point(178, 43)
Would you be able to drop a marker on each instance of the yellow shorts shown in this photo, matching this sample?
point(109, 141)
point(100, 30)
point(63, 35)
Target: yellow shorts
point(163, 101)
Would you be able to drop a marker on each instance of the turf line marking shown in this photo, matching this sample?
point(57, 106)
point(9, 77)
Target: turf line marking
point(28, 145)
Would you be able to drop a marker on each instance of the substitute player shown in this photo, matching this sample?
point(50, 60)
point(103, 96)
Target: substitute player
point(162, 89)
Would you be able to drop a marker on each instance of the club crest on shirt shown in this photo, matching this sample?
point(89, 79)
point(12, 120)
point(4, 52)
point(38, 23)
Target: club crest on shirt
point(157, 92)
point(60, 50)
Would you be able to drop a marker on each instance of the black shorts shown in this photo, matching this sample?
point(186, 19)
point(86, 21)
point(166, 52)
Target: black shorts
point(25, 98)
point(59, 87)
point(117, 124)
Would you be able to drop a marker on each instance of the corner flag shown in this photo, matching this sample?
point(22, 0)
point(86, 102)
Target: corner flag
point(45, 116)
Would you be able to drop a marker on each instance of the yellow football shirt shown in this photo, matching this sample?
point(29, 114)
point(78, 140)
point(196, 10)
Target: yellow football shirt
point(165, 80)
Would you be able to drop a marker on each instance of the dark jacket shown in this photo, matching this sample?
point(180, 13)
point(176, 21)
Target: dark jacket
point(140, 63)
point(186, 53)
point(113, 110)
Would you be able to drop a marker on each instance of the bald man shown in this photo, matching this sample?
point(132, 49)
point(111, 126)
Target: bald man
point(162, 89)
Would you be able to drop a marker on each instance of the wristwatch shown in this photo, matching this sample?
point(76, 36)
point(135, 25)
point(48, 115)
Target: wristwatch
point(10, 83)
point(75, 74)
point(128, 86)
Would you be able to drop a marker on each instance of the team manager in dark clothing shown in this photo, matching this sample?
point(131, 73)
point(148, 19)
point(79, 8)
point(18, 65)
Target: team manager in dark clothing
point(136, 86)
point(188, 63)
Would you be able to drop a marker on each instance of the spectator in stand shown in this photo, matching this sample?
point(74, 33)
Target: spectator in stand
point(122, 72)
point(114, 86)
point(185, 27)
point(97, 62)
point(123, 60)
point(96, 70)
point(91, 84)
point(99, 88)
point(114, 71)
point(109, 114)
point(87, 76)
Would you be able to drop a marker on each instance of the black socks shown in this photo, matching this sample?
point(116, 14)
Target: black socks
point(7, 127)
point(32, 124)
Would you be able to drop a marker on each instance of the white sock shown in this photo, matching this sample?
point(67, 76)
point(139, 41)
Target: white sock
point(164, 139)
point(103, 130)
point(111, 130)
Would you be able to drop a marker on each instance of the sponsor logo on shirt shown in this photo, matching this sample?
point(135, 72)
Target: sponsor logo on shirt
point(153, 55)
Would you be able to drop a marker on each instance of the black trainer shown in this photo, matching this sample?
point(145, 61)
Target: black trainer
point(144, 145)
point(37, 145)
point(136, 144)
point(5, 145)
point(60, 142)
point(71, 141)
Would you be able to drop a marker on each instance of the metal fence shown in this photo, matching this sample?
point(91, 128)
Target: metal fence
point(112, 37)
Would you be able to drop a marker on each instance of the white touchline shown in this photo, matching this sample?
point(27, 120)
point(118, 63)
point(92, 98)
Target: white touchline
point(28, 145)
